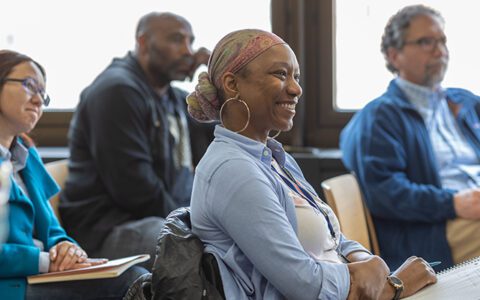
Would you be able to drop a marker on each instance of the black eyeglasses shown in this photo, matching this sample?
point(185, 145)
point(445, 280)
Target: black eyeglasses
point(32, 87)
point(428, 44)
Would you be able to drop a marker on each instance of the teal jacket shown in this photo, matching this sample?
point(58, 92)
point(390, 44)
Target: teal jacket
point(18, 255)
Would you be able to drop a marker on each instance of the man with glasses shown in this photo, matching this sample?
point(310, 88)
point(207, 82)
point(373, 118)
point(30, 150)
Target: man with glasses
point(132, 145)
point(416, 149)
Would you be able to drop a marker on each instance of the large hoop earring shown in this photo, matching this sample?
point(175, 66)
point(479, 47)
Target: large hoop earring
point(277, 134)
point(236, 98)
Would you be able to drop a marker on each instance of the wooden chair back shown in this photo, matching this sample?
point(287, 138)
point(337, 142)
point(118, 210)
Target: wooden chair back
point(344, 196)
point(59, 171)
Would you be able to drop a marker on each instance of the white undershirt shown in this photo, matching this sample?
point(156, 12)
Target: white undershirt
point(312, 226)
point(314, 234)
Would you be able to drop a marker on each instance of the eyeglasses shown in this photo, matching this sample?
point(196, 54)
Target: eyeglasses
point(428, 44)
point(32, 87)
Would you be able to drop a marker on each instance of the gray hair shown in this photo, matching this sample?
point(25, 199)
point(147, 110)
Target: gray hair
point(394, 34)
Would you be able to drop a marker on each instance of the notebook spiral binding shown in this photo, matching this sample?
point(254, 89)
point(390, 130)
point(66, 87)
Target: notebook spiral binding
point(460, 265)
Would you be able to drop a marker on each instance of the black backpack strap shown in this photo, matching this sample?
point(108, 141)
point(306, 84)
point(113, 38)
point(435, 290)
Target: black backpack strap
point(212, 273)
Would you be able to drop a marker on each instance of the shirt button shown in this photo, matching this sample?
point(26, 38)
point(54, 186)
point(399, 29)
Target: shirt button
point(265, 153)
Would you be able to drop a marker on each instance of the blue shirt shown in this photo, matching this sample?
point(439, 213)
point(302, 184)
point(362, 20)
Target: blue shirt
point(246, 218)
point(458, 164)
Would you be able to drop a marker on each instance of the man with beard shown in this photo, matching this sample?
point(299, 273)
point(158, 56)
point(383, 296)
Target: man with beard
point(416, 149)
point(132, 145)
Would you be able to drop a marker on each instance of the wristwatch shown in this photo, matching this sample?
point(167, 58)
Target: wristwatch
point(397, 285)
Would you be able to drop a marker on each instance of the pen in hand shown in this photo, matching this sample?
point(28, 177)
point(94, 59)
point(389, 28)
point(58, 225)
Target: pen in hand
point(434, 263)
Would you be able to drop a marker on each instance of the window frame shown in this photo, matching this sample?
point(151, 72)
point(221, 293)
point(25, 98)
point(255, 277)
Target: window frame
point(324, 120)
point(308, 26)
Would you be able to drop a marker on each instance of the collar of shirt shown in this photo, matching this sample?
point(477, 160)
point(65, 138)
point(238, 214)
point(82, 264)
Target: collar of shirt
point(17, 154)
point(257, 149)
point(424, 99)
point(167, 100)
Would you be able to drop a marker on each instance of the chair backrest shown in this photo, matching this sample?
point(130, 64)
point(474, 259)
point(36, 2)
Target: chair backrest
point(59, 171)
point(344, 196)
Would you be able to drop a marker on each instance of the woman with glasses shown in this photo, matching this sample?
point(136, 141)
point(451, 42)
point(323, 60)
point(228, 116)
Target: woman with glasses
point(36, 242)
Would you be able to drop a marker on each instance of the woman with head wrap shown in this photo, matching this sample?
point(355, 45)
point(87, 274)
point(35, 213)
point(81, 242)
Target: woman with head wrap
point(273, 237)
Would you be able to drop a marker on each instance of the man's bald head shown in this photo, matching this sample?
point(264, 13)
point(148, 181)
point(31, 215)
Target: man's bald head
point(164, 47)
point(154, 20)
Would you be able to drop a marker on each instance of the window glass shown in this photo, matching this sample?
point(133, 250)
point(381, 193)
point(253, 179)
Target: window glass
point(361, 74)
point(76, 40)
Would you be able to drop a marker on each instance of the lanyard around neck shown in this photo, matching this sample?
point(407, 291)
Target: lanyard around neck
point(297, 187)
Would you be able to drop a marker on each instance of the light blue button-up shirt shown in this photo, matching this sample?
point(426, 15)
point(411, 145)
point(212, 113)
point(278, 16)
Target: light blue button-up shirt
point(458, 165)
point(246, 218)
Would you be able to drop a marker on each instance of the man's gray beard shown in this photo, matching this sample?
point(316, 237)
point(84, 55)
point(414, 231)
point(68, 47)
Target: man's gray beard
point(437, 79)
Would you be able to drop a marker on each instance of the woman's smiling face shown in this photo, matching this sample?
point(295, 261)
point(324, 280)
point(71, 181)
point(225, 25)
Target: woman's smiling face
point(269, 85)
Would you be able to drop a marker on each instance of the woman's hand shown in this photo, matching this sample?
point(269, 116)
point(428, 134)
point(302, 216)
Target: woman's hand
point(415, 273)
point(89, 262)
point(367, 278)
point(65, 255)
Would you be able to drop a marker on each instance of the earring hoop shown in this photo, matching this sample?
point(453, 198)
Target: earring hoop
point(277, 134)
point(236, 98)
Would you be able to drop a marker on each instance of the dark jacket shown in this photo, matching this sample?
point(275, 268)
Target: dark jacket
point(388, 147)
point(121, 166)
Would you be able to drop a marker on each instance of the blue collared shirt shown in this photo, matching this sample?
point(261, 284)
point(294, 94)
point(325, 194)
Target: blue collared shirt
point(458, 165)
point(246, 218)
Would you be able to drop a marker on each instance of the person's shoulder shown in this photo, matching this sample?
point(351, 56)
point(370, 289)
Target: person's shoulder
point(115, 76)
point(385, 110)
point(461, 95)
point(220, 152)
point(113, 97)
point(121, 73)
point(386, 101)
point(117, 86)
point(383, 106)
point(225, 160)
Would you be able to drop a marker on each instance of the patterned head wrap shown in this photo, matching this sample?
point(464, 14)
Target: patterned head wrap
point(231, 54)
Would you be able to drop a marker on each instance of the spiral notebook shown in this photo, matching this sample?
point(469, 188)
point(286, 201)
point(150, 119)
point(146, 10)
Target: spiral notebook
point(461, 281)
